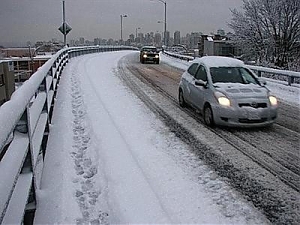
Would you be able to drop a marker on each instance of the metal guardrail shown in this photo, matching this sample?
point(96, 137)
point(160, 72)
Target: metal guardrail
point(24, 131)
point(179, 56)
point(291, 75)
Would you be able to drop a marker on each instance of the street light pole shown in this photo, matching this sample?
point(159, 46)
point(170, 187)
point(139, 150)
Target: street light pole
point(165, 29)
point(122, 26)
point(165, 35)
point(64, 24)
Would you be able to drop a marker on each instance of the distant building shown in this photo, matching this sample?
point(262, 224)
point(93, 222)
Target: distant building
point(17, 52)
point(221, 32)
point(216, 45)
point(193, 40)
point(81, 41)
point(25, 61)
point(157, 39)
point(177, 38)
point(97, 41)
point(7, 80)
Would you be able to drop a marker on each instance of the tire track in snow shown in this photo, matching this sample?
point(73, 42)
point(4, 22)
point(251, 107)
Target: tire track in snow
point(87, 193)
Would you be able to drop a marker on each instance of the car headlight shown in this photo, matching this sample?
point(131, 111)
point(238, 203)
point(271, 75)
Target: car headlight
point(156, 56)
point(273, 100)
point(222, 99)
point(145, 55)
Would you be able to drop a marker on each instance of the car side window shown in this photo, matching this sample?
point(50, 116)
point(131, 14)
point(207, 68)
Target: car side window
point(192, 69)
point(201, 74)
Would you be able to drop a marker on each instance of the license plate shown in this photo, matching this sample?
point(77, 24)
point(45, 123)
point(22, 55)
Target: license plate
point(253, 115)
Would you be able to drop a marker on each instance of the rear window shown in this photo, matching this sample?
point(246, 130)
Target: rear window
point(232, 75)
point(149, 49)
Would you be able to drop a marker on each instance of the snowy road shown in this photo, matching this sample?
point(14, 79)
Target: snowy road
point(262, 163)
point(110, 159)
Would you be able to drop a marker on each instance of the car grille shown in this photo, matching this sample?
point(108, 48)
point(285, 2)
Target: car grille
point(254, 105)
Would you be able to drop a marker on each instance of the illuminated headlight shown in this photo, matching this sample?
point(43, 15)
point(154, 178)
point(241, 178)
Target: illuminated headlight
point(273, 100)
point(156, 56)
point(222, 99)
point(145, 55)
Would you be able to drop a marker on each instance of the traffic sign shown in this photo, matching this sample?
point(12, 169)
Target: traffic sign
point(65, 28)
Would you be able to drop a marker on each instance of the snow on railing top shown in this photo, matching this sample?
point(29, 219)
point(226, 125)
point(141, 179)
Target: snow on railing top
point(12, 110)
point(275, 71)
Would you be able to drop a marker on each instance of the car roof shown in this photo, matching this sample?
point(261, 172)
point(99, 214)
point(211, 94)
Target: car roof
point(148, 47)
point(219, 61)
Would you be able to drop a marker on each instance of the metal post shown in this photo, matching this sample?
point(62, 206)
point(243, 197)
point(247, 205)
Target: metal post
point(64, 24)
point(165, 38)
point(121, 28)
point(165, 29)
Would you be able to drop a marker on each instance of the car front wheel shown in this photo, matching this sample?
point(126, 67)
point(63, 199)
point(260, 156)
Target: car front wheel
point(208, 116)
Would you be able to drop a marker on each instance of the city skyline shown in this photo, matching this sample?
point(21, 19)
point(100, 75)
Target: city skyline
point(35, 20)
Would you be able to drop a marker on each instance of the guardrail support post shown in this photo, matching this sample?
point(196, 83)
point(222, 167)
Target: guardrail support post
point(259, 73)
point(291, 80)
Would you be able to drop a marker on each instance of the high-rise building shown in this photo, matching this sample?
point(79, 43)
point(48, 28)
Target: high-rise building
point(131, 37)
point(221, 32)
point(81, 41)
point(177, 37)
point(97, 41)
point(157, 39)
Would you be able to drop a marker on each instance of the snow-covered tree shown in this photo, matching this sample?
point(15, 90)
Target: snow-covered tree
point(268, 30)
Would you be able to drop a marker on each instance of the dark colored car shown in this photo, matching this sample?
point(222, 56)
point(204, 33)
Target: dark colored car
point(149, 54)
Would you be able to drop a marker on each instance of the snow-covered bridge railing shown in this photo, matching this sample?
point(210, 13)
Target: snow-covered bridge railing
point(179, 56)
point(24, 130)
point(291, 75)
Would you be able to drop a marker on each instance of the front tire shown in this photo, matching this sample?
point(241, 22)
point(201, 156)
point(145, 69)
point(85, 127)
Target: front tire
point(182, 102)
point(208, 116)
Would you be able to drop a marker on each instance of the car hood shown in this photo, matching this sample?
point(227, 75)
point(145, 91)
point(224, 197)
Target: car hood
point(237, 90)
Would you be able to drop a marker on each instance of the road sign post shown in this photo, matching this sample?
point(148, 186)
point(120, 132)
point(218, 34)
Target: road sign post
point(64, 28)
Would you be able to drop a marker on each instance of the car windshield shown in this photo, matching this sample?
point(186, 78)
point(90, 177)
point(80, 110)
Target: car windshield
point(149, 49)
point(232, 75)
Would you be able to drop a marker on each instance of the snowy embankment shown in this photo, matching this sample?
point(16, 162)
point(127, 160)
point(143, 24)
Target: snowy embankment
point(111, 160)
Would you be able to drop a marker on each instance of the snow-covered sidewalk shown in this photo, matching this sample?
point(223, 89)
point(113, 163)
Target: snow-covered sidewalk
point(111, 160)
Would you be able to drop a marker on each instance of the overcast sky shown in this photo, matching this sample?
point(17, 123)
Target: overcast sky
point(33, 20)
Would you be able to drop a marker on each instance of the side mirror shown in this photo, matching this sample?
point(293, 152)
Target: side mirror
point(262, 82)
point(201, 83)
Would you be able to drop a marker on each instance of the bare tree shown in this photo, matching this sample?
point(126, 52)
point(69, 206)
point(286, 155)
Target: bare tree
point(268, 30)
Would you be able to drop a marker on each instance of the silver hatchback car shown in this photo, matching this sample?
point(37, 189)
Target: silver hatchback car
point(227, 93)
